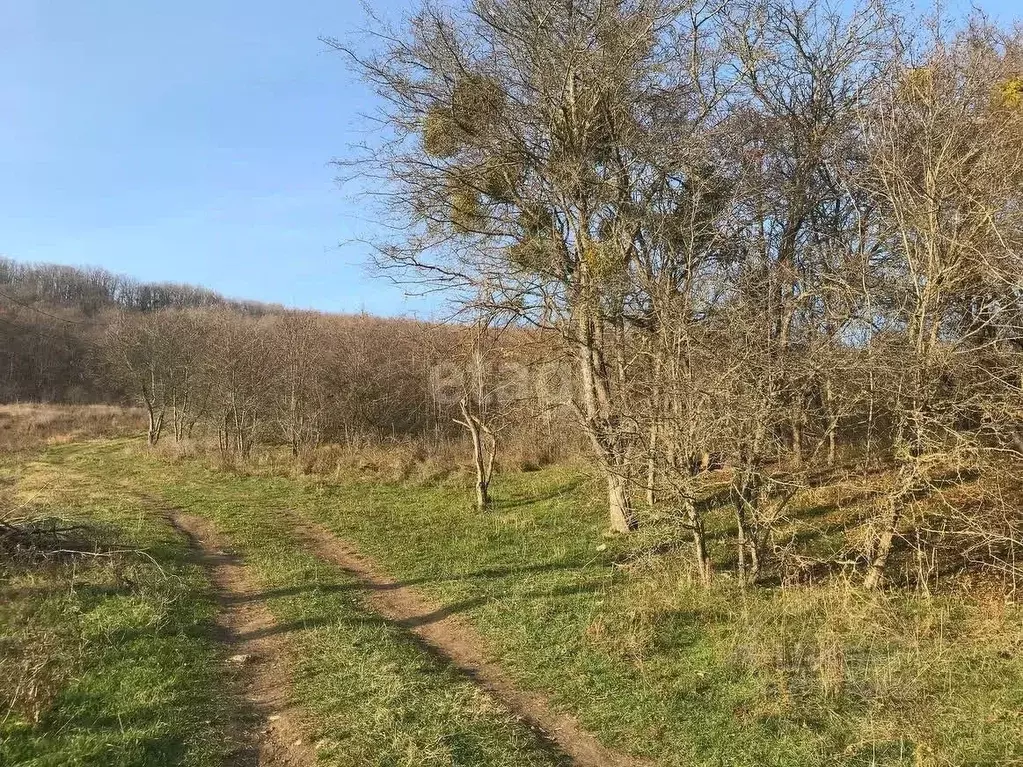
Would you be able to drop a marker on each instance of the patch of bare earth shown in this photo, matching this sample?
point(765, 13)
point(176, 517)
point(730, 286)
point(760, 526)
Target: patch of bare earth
point(269, 733)
point(453, 639)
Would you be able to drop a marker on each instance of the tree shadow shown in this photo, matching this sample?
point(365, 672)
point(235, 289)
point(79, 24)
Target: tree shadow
point(509, 504)
point(411, 622)
point(468, 668)
point(485, 574)
point(290, 591)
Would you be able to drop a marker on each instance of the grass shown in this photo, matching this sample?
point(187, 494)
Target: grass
point(608, 628)
point(660, 667)
point(372, 695)
point(105, 660)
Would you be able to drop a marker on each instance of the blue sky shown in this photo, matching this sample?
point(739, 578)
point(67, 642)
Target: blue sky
point(187, 141)
point(190, 141)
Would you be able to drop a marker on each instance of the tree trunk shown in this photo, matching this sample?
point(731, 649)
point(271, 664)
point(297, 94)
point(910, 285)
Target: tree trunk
point(882, 549)
point(797, 432)
point(651, 467)
point(483, 463)
point(749, 564)
point(482, 493)
point(829, 405)
point(482, 489)
point(600, 423)
point(293, 416)
point(745, 492)
point(699, 536)
point(652, 441)
point(155, 425)
point(619, 504)
point(884, 540)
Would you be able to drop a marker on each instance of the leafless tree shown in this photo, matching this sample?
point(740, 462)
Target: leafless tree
point(481, 407)
point(945, 149)
point(298, 342)
point(529, 140)
point(159, 356)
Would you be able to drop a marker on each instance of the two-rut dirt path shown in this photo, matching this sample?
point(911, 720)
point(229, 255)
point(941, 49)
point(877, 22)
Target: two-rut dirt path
point(277, 741)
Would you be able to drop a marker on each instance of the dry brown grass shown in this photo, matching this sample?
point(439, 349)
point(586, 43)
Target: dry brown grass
point(30, 425)
point(891, 660)
point(424, 460)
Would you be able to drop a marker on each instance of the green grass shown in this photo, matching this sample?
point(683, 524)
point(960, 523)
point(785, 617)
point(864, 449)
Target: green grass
point(617, 634)
point(371, 695)
point(374, 696)
point(106, 661)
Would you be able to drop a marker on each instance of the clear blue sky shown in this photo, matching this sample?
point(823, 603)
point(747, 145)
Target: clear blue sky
point(190, 141)
point(187, 141)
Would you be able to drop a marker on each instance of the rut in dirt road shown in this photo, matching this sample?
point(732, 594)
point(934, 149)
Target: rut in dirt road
point(270, 735)
point(460, 645)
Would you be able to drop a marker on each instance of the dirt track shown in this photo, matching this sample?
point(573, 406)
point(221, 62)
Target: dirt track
point(451, 638)
point(270, 735)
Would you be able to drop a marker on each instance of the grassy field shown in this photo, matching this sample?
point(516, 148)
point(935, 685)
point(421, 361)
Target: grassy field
point(144, 689)
point(32, 424)
point(610, 629)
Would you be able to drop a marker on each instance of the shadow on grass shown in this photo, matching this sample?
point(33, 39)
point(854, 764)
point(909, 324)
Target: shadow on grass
point(486, 574)
point(441, 661)
point(290, 591)
point(410, 623)
point(510, 504)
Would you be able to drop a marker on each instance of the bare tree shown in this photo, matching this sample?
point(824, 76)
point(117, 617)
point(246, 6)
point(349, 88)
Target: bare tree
point(241, 374)
point(297, 341)
point(480, 407)
point(157, 356)
point(945, 151)
point(526, 147)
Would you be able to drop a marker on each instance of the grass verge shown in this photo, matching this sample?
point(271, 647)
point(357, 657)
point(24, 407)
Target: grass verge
point(104, 660)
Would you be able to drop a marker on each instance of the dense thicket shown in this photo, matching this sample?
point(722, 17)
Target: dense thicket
point(244, 373)
point(88, 291)
point(292, 378)
point(774, 230)
point(52, 317)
